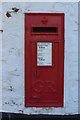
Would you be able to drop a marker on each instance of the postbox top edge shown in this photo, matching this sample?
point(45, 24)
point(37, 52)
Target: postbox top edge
point(34, 13)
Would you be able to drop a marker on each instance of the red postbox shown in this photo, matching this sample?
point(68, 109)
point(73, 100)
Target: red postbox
point(44, 59)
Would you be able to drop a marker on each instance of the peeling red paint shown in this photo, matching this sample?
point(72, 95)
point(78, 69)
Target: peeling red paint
point(15, 9)
point(8, 14)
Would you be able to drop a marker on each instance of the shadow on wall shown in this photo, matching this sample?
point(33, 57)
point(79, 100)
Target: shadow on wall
point(10, 116)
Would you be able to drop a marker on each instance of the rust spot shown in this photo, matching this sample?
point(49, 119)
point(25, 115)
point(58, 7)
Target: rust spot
point(8, 14)
point(1, 30)
point(20, 111)
point(13, 102)
point(6, 102)
point(11, 88)
point(15, 9)
point(28, 10)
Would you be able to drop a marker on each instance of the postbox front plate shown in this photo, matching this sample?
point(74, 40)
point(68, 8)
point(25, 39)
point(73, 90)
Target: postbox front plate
point(44, 59)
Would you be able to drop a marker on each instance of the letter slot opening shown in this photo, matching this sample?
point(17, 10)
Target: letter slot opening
point(44, 29)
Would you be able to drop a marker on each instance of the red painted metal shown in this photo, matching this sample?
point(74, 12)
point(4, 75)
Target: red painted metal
point(44, 85)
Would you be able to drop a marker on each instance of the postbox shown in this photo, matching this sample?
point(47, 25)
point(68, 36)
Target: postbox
point(44, 59)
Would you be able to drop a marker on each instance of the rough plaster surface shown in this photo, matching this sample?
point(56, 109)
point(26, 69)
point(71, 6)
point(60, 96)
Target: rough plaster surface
point(13, 57)
point(0, 57)
point(78, 58)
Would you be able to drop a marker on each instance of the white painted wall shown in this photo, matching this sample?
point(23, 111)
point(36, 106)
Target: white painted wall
point(13, 57)
point(0, 58)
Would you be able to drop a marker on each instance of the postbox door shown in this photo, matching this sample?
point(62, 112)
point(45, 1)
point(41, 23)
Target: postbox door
point(44, 64)
point(43, 71)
